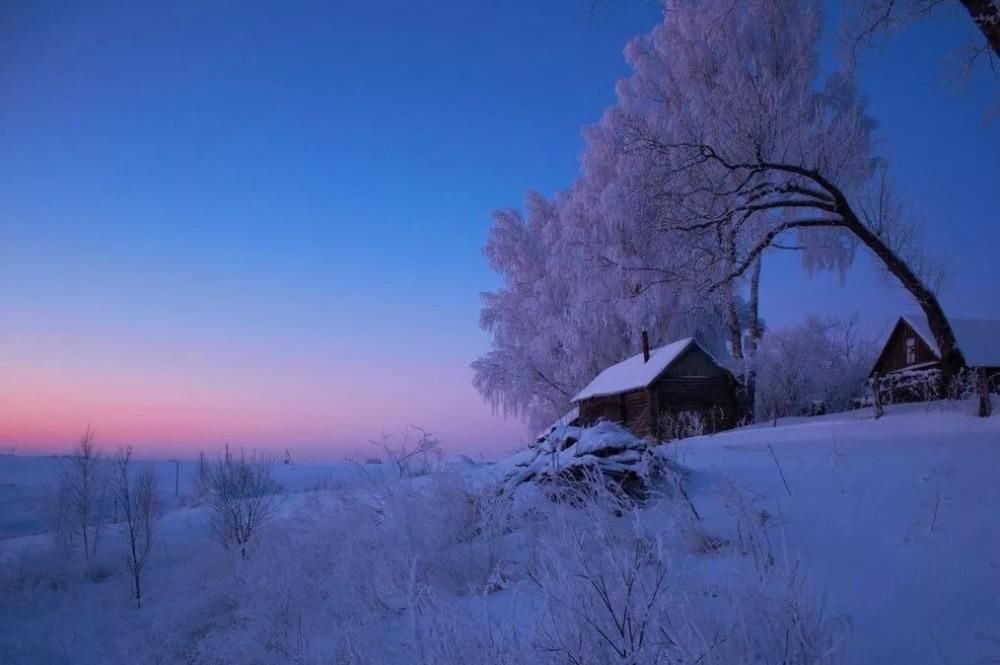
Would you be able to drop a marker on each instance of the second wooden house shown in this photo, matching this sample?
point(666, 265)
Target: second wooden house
point(908, 367)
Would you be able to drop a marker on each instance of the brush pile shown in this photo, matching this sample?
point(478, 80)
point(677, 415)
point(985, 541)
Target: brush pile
point(607, 450)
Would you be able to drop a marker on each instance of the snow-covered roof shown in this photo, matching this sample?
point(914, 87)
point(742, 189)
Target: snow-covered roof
point(633, 373)
point(978, 339)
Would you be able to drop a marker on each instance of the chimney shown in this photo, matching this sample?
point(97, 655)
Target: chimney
point(645, 347)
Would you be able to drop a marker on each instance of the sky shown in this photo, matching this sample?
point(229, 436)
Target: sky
point(260, 223)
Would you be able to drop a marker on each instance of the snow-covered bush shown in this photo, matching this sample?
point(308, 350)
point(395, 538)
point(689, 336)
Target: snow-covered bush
point(416, 452)
point(243, 497)
point(820, 365)
point(612, 593)
point(683, 424)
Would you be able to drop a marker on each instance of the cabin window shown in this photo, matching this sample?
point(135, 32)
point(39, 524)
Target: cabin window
point(911, 350)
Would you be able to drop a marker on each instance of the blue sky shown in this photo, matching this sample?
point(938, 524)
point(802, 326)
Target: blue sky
point(245, 221)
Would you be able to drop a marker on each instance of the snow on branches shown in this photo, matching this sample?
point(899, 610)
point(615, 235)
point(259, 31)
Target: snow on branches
point(725, 144)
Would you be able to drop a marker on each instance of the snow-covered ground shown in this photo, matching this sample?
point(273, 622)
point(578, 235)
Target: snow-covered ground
point(895, 520)
point(837, 539)
point(27, 484)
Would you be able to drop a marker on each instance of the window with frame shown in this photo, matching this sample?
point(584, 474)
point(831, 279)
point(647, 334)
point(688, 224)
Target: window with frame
point(911, 350)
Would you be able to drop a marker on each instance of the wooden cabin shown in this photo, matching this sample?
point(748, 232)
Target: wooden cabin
point(910, 352)
point(649, 391)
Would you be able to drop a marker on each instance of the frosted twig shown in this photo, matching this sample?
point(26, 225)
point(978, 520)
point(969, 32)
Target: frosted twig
point(780, 471)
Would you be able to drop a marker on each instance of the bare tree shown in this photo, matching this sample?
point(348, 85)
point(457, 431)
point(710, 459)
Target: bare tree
point(82, 497)
point(243, 497)
point(135, 504)
point(202, 479)
point(807, 200)
point(416, 454)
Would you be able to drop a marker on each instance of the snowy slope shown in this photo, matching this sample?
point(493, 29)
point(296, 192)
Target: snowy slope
point(895, 519)
point(892, 521)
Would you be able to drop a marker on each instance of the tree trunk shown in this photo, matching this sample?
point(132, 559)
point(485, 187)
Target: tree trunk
point(983, 390)
point(754, 322)
point(753, 338)
point(951, 356)
point(727, 240)
point(877, 395)
point(733, 326)
point(986, 15)
point(86, 540)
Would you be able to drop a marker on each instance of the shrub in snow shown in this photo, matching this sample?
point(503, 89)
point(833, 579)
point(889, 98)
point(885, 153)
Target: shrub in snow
point(40, 571)
point(611, 593)
point(243, 497)
point(683, 424)
point(416, 453)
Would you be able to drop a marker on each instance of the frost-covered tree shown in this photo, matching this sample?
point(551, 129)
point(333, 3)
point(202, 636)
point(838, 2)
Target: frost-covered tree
point(821, 363)
point(586, 271)
point(573, 301)
point(757, 149)
point(243, 497)
point(82, 497)
point(725, 144)
point(528, 371)
point(134, 495)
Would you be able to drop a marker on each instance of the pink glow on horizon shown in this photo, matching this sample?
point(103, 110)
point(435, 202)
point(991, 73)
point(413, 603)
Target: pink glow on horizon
point(321, 412)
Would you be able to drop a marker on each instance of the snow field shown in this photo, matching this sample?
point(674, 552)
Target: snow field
point(837, 539)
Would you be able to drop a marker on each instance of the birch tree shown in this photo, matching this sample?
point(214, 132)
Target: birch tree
point(575, 296)
point(81, 497)
point(136, 507)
